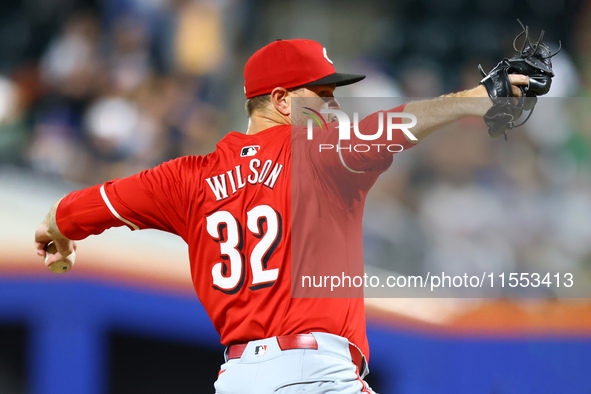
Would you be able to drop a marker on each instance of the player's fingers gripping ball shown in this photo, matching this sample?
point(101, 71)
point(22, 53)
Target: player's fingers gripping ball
point(59, 266)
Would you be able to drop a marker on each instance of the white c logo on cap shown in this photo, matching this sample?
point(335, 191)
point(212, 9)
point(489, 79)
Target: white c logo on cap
point(326, 55)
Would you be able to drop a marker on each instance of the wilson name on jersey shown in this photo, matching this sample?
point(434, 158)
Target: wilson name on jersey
point(229, 182)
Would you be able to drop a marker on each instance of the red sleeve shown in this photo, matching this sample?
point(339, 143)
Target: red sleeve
point(380, 155)
point(357, 156)
point(155, 198)
point(346, 175)
point(83, 213)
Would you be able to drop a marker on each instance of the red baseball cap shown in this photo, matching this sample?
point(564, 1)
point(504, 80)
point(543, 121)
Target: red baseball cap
point(291, 63)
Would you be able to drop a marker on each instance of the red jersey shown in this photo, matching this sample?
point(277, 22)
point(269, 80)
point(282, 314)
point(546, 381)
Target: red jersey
point(241, 211)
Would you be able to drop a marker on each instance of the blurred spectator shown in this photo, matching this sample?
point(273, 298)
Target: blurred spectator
point(13, 131)
point(392, 235)
point(72, 65)
point(199, 43)
point(129, 57)
point(461, 209)
point(56, 148)
point(421, 78)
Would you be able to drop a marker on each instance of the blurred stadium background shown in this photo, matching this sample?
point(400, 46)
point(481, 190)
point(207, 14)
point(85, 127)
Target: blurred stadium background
point(92, 90)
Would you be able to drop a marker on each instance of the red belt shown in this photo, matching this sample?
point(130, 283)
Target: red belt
point(297, 341)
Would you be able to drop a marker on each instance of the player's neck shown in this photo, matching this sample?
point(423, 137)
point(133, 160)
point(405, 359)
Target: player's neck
point(260, 122)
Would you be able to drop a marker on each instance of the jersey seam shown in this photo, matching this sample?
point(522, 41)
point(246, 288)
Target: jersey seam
point(114, 211)
point(343, 160)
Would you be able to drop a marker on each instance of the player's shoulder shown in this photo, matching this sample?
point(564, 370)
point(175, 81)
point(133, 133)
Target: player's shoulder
point(188, 161)
point(183, 167)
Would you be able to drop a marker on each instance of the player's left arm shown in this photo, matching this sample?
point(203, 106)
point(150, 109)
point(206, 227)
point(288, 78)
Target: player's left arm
point(431, 115)
point(434, 114)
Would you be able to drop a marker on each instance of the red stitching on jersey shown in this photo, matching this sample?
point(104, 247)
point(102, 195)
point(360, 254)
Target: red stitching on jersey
point(364, 387)
point(221, 372)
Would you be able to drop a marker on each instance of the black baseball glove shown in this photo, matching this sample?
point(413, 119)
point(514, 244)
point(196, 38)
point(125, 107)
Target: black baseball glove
point(532, 60)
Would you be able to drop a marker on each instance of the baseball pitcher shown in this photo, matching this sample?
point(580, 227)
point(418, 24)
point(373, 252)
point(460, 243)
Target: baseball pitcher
point(235, 208)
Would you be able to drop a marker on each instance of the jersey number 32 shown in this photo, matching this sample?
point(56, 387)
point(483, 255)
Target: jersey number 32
point(226, 230)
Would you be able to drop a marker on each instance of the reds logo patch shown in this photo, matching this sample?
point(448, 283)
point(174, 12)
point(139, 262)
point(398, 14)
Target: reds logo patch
point(326, 55)
point(249, 150)
point(260, 350)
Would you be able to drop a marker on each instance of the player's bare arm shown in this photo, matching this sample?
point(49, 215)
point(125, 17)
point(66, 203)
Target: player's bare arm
point(49, 232)
point(436, 113)
point(527, 74)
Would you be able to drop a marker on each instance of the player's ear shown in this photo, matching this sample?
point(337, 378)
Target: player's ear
point(281, 101)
